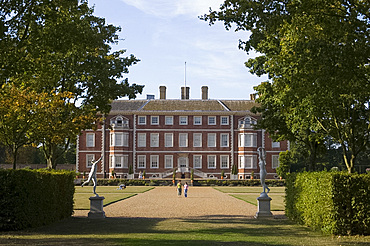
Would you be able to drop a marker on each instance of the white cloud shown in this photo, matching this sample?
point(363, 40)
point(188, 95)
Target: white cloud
point(173, 8)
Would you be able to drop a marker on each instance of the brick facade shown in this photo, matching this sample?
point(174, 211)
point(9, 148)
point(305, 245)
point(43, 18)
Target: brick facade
point(158, 136)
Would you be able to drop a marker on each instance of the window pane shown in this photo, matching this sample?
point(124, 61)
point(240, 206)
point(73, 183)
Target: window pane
point(197, 120)
point(211, 161)
point(169, 120)
point(183, 120)
point(183, 140)
point(211, 120)
point(197, 139)
point(155, 120)
point(168, 139)
point(89, 158)
point(141, 140)
point(275, 161)
point(224, 161)
point(168, 161)
point(154, 161)
point(141, 161)
point(197, 161)
point(224, 120)
point(224, 140)
point(142, 120)
point(154, 140)
point(211, 139)
point(90, 140)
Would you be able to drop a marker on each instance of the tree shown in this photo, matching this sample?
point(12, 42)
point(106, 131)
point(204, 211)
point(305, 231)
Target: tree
point(316, 54)
point(61, 47)
point(17, 115)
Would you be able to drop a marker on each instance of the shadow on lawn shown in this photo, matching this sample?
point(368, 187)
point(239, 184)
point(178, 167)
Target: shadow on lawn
point(208, 230)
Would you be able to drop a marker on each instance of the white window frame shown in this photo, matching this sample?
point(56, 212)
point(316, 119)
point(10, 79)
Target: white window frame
point(197, 120)
point(168, 161)
point(247, 161)
point(275, 144)
point(183, 120)
point(197, 139)
point(168, 120)
point(141, 120)
point(275, 161)
point(141, 161)
point(90, 140)
point(119, 139)
point(154, 161)
point(195, 161)
point(141, 140)
point(89, 158)
point(210, 119)
point(210, 159)
point(224, 159)
point(154, 139)
point(222, 140)
point(168, 140)
point(243, 140)
point(211, 140)
point(118, 161)
point(183, 140)
point(154, 120)
point(224, 120)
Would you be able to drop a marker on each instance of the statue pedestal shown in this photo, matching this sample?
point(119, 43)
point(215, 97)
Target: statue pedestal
point(263, 206)
point(96, 207)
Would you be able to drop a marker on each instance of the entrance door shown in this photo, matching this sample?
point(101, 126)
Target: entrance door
point(183, 164)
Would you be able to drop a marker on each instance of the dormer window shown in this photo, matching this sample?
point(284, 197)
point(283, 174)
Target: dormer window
point(119, 121)
point(247, 122)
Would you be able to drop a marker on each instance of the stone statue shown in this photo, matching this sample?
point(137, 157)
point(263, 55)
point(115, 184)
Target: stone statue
point(92, 175)
point(262, 164)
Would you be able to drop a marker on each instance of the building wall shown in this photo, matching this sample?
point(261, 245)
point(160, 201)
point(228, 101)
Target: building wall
point(132, 151)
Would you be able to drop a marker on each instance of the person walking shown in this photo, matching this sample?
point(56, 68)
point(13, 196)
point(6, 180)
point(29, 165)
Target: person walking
point(186, 187)
point(179, 188)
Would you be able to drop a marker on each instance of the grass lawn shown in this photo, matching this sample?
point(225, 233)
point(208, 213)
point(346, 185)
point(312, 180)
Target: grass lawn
point(250, 194)
point(202, 231)
point(110, 193)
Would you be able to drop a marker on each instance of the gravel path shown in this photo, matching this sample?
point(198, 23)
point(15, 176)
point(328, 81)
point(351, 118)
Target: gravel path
point(163, 202)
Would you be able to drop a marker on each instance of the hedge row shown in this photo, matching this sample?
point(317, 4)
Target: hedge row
point(209, 182)
point(31, 198)
point(335, 203)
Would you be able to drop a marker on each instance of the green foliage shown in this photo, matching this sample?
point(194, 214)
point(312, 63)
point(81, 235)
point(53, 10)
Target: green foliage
point(285, 161)
point(33, 198)
point(316, 55)
point(335, 203)
point(130, 170)
point(245, 182)
point(60, 48)
point(234, 170)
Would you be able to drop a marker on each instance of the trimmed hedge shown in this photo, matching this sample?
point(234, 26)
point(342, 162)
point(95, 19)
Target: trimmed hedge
point(31, 198)
point(335, 203)
point(209, 182)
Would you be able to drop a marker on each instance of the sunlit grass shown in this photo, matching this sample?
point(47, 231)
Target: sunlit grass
point(110, 193)
point(202, 231)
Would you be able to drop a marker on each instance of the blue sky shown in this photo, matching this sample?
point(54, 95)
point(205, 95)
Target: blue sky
point(164, 34)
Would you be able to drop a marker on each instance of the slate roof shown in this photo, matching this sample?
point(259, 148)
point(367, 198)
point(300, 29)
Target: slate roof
point(127, 105)
point(178, 105)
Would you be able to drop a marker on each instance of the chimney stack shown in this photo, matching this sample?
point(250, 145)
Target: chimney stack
point(162, 92)
point(253, 96)
point(204, 92)
point(185, 91)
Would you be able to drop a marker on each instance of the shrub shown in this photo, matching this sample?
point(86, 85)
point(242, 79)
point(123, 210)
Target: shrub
point(31, 198)
point(333, 202)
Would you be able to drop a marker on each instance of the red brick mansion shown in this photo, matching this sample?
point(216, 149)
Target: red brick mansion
point(159, 136)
